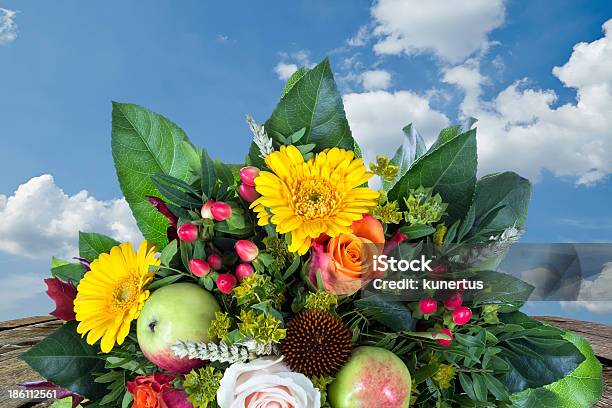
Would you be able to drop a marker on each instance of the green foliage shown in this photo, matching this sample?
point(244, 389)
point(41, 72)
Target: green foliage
point(384, 168)
point(144, 144)
point(581, 388)
point(219, 326)
point(449, 170)
point(201, 386)
point(293, 79)
point(538, 354)
point(91, 245)
point(260, 326)
point(507, 192)
point(321, 301)
point(315, 104)
point(411, 149)
point(65, 359)
point(68, 271)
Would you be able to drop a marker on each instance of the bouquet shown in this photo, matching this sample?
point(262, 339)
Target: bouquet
point(260, 284)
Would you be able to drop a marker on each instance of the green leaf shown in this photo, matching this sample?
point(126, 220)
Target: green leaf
point(91, 245)
point(480, 386)
point(208, 174)
point(175, 194)
point(411, 149)
point(581, 388)
point(467, 385)
point(507, 189)
point(164, 281)
point(450, 170)
point(293, 79)
point(417, 230)
point(168, 253)
point(394, 315)
point(145, 143)
point(537, 356)
point(65, 359)
point(69, 272)
point(62, 403)
point(192, 156)
point(313, 103)
point(501, 288)
point(496, 387)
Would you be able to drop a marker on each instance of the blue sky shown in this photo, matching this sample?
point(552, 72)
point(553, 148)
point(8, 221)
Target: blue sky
point(206, 65)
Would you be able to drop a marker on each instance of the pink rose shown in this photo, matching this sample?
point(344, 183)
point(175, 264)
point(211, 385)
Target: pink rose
point(266, 382)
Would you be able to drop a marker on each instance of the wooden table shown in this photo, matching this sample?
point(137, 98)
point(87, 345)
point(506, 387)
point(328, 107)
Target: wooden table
point(16, 336)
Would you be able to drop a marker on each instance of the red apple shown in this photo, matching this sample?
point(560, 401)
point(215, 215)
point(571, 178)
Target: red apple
point(181, 311)
point(373, 377)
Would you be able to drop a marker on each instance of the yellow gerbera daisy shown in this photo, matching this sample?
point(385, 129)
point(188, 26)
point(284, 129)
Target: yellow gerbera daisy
point(113, 293)
point(306, 199)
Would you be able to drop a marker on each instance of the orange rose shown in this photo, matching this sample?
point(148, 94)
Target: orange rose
point(155, 391)
point(345, 263)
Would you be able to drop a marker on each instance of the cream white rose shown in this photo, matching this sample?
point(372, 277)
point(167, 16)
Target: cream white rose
point(266, 383)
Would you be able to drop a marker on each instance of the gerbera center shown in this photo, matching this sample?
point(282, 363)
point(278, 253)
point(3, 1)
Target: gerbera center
point(314, 198)
point(125, 292)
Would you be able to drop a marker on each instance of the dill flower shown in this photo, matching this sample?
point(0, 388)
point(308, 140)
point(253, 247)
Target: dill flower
point(201, 386)
point(389, 213)
point(321, 382)
point(444, 376)
point(257, 288)
point(423, 207)
point(321, 301)
point(384, 168)
point(308, 198)
point(219, 326)
point(113, 293)
point(261, 327)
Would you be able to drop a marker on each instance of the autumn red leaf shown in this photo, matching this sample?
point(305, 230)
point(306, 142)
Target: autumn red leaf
point(63, 294)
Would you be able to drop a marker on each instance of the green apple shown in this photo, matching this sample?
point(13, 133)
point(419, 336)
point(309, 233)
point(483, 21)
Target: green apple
point(181, 311)
point(373, 377)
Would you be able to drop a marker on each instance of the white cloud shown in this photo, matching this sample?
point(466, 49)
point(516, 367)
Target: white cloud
point(8, 27)
point(18, 288)
point(361, 38)
point(594, 294)
point(445, 28)
point(290, 62)
point(520, 129)
point(375, 80)
point(284, 71)
point(39, 219)
point(377, 118)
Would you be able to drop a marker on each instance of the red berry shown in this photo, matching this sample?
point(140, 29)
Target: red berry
point(188, 232)
point(248, 193)
point(206, 210)
point(453, 301)
point(248, 174)
point(220, 211)
point(226, 283)
point(247, 250)
point(243, 270)
point(444, 342)
point(462, 315)
point(199, 267)
point(428, 306)
point(215, 261)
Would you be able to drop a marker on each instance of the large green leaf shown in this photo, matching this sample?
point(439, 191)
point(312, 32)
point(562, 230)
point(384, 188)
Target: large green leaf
point(65, 359)
point(450, 170)
point(507, 189)
point(394, 315)
point(69, 271)
point(501, 288)
point(539, 355)
point(91, 245)
point(313, 103)
point(413, 147)
point(582, 388)
point(145, 143)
